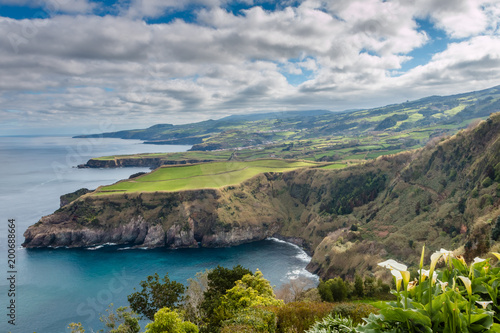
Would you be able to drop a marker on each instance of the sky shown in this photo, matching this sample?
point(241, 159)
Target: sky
point(88, 66)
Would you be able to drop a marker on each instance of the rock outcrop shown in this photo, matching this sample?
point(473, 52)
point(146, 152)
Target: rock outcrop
point(123, 162)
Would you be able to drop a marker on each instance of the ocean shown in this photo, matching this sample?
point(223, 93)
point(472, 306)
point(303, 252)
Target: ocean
point(54, 287)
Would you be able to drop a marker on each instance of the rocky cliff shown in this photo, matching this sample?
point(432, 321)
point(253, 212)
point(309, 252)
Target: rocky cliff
point(122, 162)
point(444, 195)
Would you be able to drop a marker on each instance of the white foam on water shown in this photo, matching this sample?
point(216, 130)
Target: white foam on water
point(298, 272)
point(99, 246)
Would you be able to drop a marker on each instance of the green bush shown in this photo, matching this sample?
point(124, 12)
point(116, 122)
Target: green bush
point(330, 324)
point(299, 316)
point(333, 290)
point(359, 290)
point(355, 311)
point(487, 182)
point(167, 320)
point(251, 320)
point(485, 201)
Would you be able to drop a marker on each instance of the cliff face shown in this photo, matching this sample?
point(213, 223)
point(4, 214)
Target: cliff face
point(124, 162)
point(445, 195)
point(176, 220)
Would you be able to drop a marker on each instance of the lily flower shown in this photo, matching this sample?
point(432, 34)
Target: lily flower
point(422, 257)
point(434, 259)
point(412, 285)
point(393, 264)
point(424, 273)
point(496, 254)
point(399, 277)
point(446, 254)
point(406, 278)
point(443, 285)
point(477, 260)
point(467, 284)
point(484, 304)
point(461, 259)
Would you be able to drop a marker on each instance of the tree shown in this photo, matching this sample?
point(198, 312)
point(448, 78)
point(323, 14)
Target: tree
point(333, 290)
point(155, 295)
point(170, 321)
point(325, 292)
point(123, 321)
point(251, 291)
point(76, 328)
point(338, 288)
point(195, 295)
point(358, 286)
point(220, 279)
point(294, 290)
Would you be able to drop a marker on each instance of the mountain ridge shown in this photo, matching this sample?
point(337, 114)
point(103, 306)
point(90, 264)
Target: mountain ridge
point(259, 130)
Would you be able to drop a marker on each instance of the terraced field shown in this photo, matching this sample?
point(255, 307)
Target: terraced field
point(198, 176)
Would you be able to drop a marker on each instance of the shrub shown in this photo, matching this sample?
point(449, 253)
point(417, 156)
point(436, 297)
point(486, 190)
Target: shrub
point(487, 182)
point(330, 324)
point(485, 201)
point(299, 316)
point(251, 320)
point(359, 291)
point(167, 320)
point(355, 311)
point(333, 290)
point(495, 233)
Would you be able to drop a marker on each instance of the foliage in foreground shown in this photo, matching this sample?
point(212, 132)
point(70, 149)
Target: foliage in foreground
point(333, 324)
point(167, 320)
point(459, 298)
point(220, 279)
point(156, 295)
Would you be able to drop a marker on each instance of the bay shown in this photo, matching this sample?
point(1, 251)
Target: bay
point(54, 287)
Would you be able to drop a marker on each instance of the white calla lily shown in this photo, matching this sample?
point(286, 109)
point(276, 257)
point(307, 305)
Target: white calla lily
point(424, 273)
point(446, 254)
point(393, 265)
point(443, 285)
point(467, 284)
point(478, 260)
point(434, 259)
point(484, 304)
point(399, 277)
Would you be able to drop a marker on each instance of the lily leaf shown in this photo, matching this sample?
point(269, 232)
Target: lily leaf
point(412, 316)
point(481, 322)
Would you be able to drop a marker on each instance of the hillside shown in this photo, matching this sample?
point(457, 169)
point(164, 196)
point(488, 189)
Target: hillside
point(350, 137)
point(444, 195)
point(435, 114)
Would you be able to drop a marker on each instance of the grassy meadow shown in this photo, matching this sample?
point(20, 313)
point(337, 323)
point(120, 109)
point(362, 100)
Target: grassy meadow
point(198, 176)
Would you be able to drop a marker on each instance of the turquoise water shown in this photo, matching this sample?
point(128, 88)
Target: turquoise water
point(57, 286)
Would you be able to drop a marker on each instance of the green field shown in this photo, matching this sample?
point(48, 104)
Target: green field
point(197, 176)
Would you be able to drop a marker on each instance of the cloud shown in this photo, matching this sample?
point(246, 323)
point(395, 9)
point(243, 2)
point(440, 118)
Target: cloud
point(475, 62)
point(462, 18)
point(156, 8)
point(51, 7)
point(347, 54)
